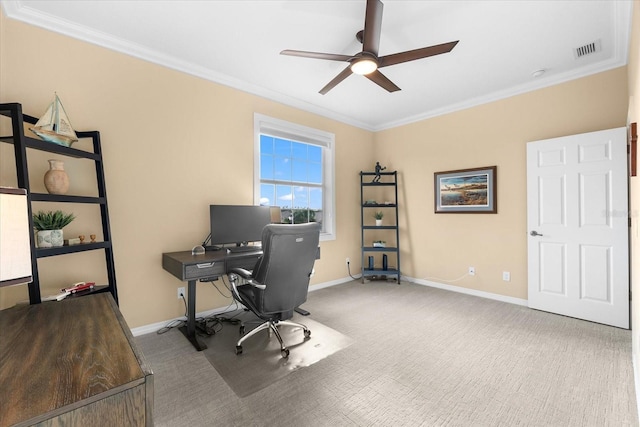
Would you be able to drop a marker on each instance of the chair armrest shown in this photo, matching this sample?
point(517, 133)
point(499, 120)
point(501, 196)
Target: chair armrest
point(246, 275)
point(242, 272)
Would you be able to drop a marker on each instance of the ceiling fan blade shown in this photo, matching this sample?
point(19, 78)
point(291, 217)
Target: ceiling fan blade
point(372, 26)
point(381, 80)
point(316, 55)
point(337, 79)
point(412, 55)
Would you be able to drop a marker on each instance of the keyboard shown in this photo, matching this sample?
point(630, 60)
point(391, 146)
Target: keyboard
point(241, 249)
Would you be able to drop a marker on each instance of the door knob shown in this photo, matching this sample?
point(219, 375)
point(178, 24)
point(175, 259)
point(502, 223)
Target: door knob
point(534, 233)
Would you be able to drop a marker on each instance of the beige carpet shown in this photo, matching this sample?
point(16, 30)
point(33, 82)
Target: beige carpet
point(420, 357)
point(261, 363)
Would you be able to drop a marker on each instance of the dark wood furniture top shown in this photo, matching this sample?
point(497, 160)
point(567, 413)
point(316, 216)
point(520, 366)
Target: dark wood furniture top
point(74, 362)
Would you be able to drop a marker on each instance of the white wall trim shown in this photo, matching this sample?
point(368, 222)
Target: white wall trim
point(147, 329)
point(154, 327)
point(474, 292)
point(636, 380)
point(329, 284)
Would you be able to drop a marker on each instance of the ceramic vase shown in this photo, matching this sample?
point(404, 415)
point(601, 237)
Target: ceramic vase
point(56, 180)
point(49, 238)
point(378, 222)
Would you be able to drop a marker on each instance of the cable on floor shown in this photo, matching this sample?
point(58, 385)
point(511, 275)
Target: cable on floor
point(213, 324)
point(176, 323)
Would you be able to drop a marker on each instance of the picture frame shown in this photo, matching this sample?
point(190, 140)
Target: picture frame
point(466, 190)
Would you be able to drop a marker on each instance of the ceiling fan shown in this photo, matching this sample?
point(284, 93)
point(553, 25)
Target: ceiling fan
point(368, 62)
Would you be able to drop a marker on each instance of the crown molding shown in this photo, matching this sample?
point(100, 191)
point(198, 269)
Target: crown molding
point(16, 9)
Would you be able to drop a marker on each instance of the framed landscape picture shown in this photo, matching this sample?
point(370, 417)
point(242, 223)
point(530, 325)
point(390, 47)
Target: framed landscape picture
point(466, 191)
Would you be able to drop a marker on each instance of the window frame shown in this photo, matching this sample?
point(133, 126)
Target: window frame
point(292, 131)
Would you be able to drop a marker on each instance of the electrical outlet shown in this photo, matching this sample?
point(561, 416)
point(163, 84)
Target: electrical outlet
point(506, 276)
point(181, 293)
point(472, 271)
point(348, 261)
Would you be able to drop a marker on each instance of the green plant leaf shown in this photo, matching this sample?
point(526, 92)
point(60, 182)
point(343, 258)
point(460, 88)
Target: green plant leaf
point(51, 220)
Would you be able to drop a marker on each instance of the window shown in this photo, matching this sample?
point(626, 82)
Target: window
point(294, 170)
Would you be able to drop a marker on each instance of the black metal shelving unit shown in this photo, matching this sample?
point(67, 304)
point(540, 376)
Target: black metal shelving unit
point(371, 188)
point(21, 143)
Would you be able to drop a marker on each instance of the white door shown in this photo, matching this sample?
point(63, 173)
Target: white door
point(578, 227)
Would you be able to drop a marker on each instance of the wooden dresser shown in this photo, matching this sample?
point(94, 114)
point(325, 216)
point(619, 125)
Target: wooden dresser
point(72, 363)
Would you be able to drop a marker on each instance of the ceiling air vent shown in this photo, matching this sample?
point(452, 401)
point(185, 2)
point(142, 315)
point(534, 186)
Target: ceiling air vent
point(588, 49)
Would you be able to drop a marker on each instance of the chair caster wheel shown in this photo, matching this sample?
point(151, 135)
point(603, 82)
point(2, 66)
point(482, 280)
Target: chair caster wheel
point(238, 349)
point(285, 353)
point(307, 333)
point(242, 330)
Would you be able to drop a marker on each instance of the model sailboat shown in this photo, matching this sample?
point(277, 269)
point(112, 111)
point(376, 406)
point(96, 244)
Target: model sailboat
point(54, 125)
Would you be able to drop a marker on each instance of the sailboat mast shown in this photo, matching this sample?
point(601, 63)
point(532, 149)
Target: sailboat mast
point(56, 114)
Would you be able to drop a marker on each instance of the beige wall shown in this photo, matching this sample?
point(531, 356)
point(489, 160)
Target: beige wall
point(634, 116)
point(443, 246)
point(174, 144)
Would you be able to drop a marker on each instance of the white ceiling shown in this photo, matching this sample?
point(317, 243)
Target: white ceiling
point(237, 43)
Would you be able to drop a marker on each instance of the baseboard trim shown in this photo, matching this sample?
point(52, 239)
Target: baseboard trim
point(147, 329)
point(474, 292)
point(329, 284)
point(153, 327)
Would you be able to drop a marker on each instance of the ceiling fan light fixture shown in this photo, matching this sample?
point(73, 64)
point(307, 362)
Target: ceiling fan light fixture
point(364, 66)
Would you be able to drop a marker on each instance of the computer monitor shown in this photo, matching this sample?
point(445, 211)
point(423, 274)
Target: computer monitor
point(239, 224)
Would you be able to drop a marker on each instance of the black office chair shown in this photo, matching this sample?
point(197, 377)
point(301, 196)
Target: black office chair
point(280, 280)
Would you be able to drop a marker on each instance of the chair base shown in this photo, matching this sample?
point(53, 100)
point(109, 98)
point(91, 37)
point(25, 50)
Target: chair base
point(272, 326)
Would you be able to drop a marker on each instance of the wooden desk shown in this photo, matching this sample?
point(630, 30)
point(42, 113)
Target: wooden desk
point(72, 363)
point(208, 266)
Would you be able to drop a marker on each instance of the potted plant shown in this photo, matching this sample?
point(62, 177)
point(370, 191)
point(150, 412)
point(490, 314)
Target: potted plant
point(49, 226)
point(378, 216)
point(379, 244)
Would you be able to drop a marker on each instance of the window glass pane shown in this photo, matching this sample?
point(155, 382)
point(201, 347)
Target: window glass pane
point(315, 153)
point(284, 196)
point(266, 166)
point(266, 144)
point(301, 197)
point(301, 216)
point(299, 150)
point(299, 169)
point(296, 176)
point(267, 195)
point(315, 198)
point(282, 147)
point(282, 169)
point(315, 173)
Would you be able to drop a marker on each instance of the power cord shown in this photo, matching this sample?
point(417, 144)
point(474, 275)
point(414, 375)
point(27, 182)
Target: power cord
point(211, 325)
point(213, 283)
point(176, 323)
point(349, 271)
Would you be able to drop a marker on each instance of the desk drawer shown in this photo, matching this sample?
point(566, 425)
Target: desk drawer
point(203, 270)
point(185, 266)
